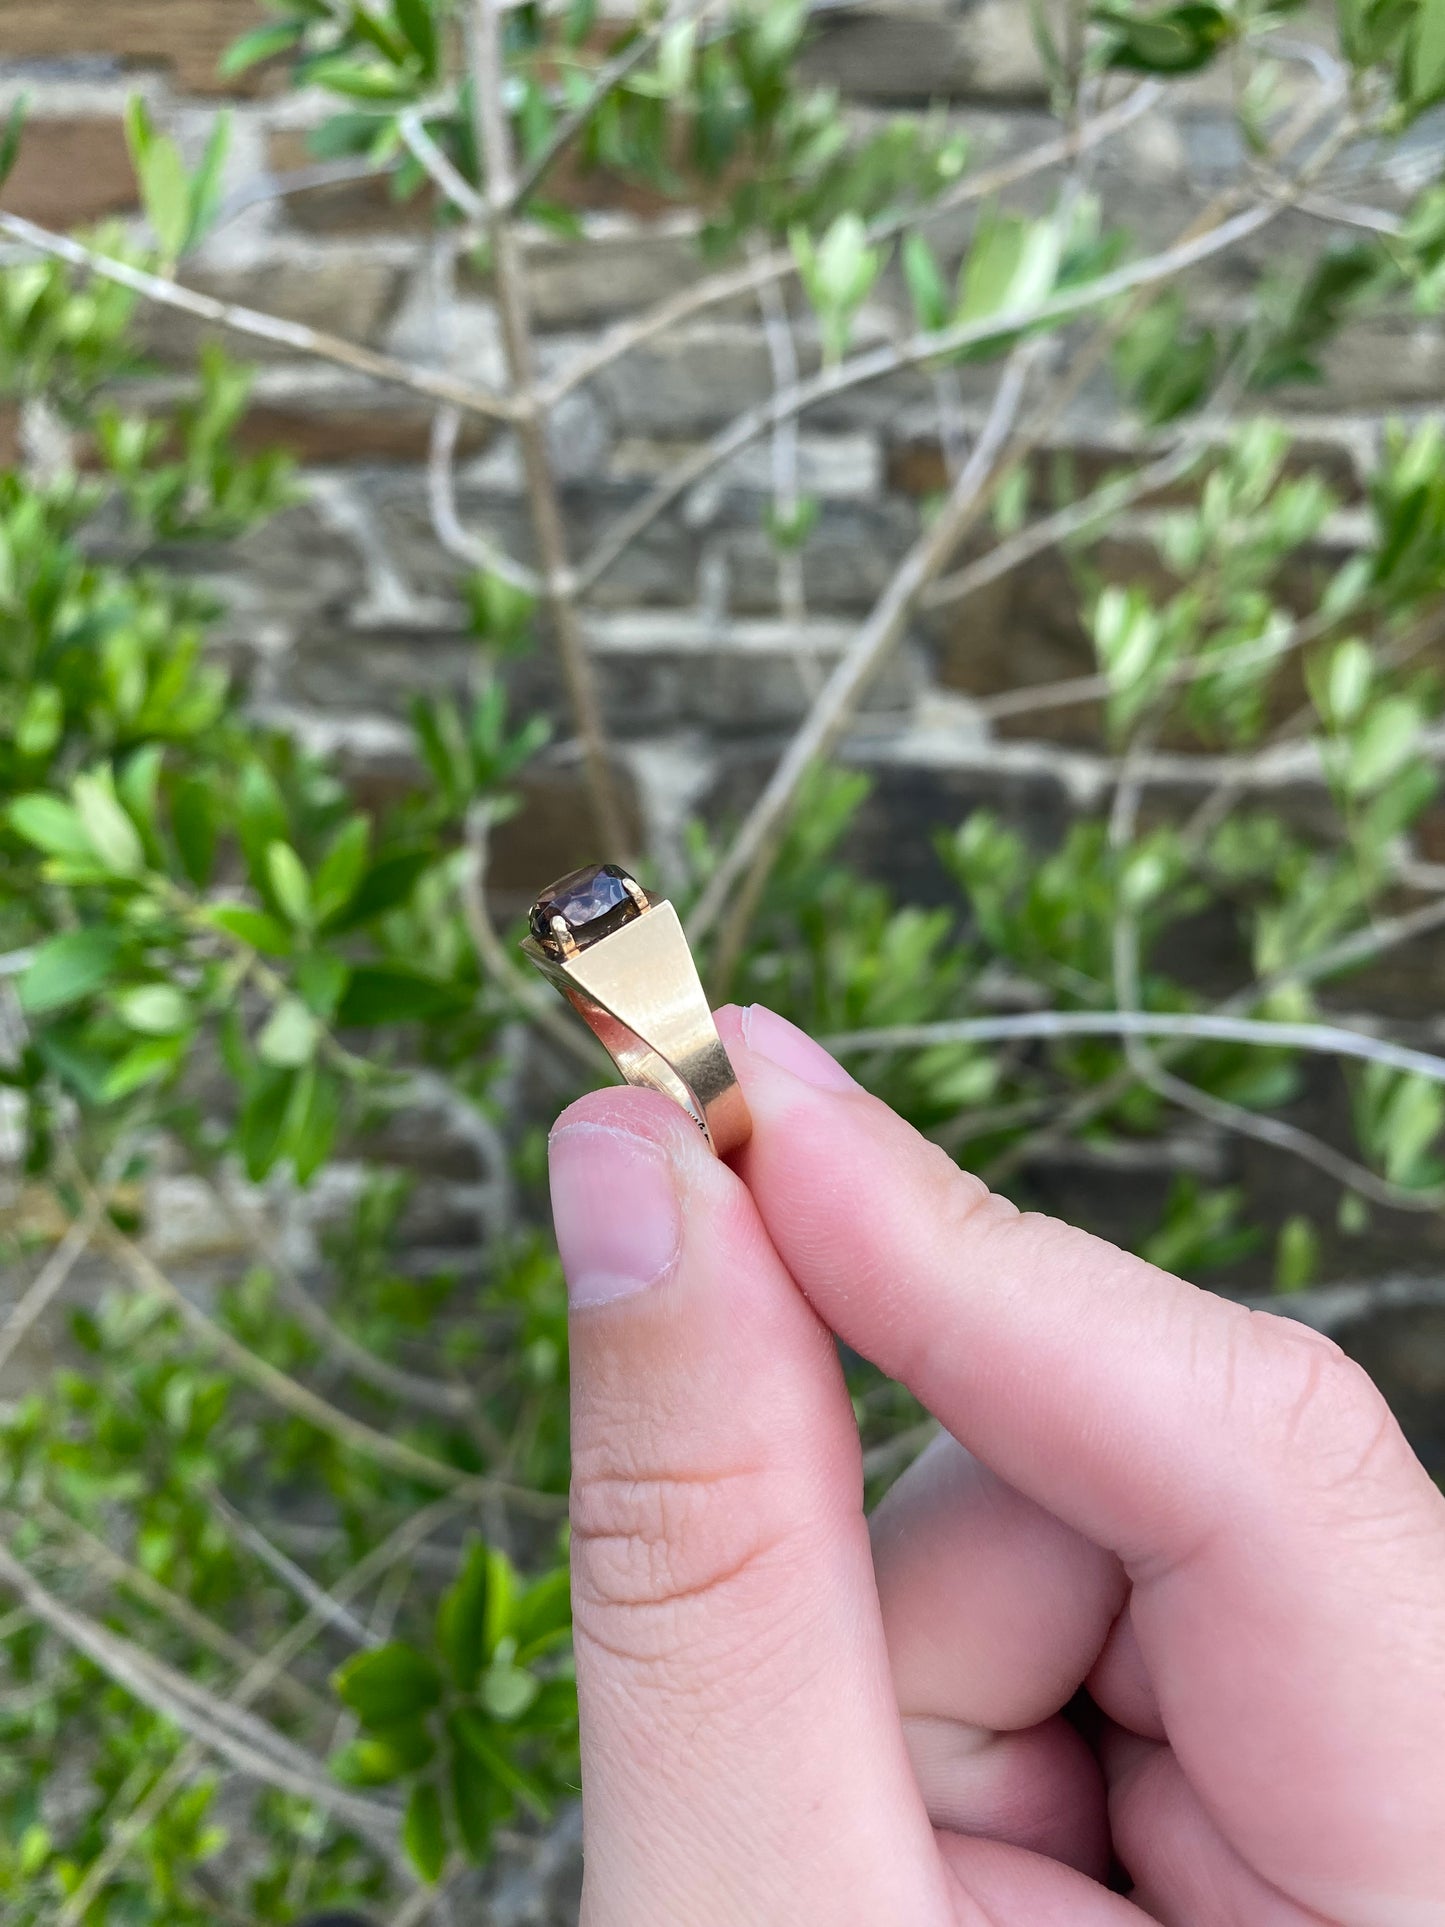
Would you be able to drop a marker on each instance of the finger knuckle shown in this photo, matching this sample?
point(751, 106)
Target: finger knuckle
point(654, 1548)
point(1324, 1412)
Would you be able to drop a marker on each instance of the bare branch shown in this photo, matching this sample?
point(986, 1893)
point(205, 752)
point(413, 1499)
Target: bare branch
point(249, 1743)
point(875, 363)
point(259, 326)
point(559, 587)
point(398, 1545)
point(424, 1394)
point(781, 263)
point(607, 79)
point(1281, 1136)
point(737, 881)
point(1332, 1040)
point(50, 1279)
point(296, 1578)
point(468, 547)
point(143, 1586)
point(285, 1391)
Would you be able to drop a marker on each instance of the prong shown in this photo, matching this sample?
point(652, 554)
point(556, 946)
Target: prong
point(635, 890)
point(567, 945)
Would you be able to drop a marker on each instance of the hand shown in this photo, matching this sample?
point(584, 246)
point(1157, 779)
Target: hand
point(1206, 1517)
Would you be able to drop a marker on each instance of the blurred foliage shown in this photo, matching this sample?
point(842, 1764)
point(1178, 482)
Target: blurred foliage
point(220, 963)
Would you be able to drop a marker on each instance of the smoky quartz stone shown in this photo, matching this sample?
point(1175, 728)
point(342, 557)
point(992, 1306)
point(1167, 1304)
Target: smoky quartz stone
point(592, 902)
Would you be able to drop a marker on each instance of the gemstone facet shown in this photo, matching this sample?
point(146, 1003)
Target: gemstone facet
point(592, 902)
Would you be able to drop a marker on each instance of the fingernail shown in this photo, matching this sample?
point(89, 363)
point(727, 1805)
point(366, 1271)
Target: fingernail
point(791, 1049)
point(615, 1210)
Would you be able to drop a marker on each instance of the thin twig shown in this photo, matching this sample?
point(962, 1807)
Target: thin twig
point(423, 1393)
point(259, 326)
point(249, 1743)
point(559, 587)
point(464, 544)
point(397, 1545)
point(299, 1399)
point(735, 884)
point(781, 263)
point(924, 346)
point(173, 1606)
point(296, 1578)
point(1331, 1040)
point(51, 1278)
point(607, 79)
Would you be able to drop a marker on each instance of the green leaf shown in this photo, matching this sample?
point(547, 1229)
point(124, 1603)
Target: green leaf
point(507, 1691)
point(379, 1757)
point(262, 43)
point(474, 1802)
point(1351, 671)
point(471, 1732)
point(389, 1683)
point(10, 139)
point(424, 1833)
point(1171, 40)
point(289, 1036)
point(395, 994)
point(51, 825)
point(254, 927)
point(501, 1597)
point(341, 868)
point(461, 1619)
point(260, 1134)
point(1427, 59)
point(164, 183)
point(387, 885)
point(113, 837)
point(144, 1064)
point(312, 1123)
point(193, 824)
point(418, 22)
point(926, 287)
point(260, 817)
point(542, 1617)
point(205, 188)
point(289, 883)
point(1296, 1254)
point(156, 1010)
point(1388, 736)
point(68, 968)
point(41, 720)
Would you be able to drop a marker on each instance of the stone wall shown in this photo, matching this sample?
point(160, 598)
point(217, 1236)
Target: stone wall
point(347, 604)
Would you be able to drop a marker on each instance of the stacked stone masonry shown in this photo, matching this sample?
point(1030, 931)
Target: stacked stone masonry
point(347, 605)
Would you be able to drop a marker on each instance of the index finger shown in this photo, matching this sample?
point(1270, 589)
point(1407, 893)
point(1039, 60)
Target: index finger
point(1287, 1549)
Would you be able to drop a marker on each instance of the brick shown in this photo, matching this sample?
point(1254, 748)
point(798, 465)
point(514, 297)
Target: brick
point(386, 427)
point(186, 37)
point(579, 283)
point(71, 170)
point(365, 206)
point(341, 291)
point(902, 52)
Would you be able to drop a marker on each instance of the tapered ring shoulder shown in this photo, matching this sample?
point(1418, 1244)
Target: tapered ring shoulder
point(622, 959)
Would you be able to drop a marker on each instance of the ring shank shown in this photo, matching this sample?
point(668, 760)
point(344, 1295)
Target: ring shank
point(703, 1084)
point(639, 992)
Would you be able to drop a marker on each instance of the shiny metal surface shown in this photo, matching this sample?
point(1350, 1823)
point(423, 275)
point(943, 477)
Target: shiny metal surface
point(639, 990)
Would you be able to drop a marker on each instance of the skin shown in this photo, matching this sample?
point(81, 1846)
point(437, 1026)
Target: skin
point(1206, 1517)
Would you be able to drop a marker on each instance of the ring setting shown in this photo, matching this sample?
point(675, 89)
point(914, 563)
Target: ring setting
point(621, 958)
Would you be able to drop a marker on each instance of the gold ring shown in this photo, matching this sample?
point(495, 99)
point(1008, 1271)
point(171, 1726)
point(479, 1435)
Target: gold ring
point(621, 958)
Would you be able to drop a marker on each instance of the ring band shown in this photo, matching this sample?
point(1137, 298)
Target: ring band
point(622, 960)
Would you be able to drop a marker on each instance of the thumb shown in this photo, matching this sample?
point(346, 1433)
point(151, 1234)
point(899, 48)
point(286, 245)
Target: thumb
point(742, 1757)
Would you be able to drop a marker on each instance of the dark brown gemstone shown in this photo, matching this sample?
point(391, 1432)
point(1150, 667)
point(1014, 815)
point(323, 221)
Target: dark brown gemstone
point(592, 902)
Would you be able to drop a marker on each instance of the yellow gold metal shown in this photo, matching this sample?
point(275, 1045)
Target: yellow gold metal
point(639, 991)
